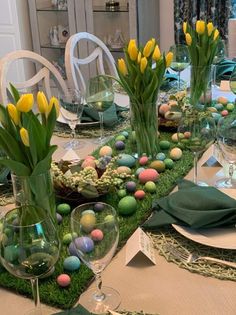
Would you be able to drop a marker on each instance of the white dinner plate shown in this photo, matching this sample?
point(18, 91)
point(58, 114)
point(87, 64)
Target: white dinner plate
point(214, 237)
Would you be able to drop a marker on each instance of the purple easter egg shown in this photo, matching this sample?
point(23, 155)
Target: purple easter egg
point(98, 207)
point(72, 249)
point(84, 244)
point(119, 145)
point(59, 218)
point(130, 186)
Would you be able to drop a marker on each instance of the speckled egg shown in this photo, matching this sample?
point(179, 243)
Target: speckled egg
point(139, 170)
point(212, 109)
point(148, 175)
point(88, 222)
point(127, 205)
point(126, 160)
point(121, 193)
point(223, 100)
point(224, 112)
point(143, 160)
point(71, 263)
point(139, 194)
point(98, 207)
point(63, 280)
point(164, 145)
point(125, 133)
point(160, 156)
point(105, 150)
point(230, 107)
point(120, 138)
point(67, 238)
point(219, 106)
point(88, 162)
point(97, 235)
point(63, 208)
point(130, 186)
point(169, 163)
point(59, 218)
point(119, 145)
point(175, 138)
point(176, 154)
point(158, 165)
point(84, 244)
point(150, 187)
point(124, 169)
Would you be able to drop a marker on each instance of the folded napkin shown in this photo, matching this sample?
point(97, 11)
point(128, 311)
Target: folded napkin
point(111, 116)
point(224, 69)
point(193, 206)
point(78, 310)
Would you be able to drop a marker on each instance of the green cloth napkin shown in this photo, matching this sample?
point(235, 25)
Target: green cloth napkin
point(78, 310)
point(111, 116)
point(193, 206)
point(224, 69)
point(168, 81)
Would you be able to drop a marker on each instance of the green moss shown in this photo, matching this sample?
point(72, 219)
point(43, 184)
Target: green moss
point(50, 292)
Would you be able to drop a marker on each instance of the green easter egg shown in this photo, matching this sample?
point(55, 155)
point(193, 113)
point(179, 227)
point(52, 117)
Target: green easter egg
point(127, 205)
point(169, 163)
point(150, 187)
point(158, 165)
point(230, 107)
point(67, 238)
point(120, 138)
point(121, 193)
point(63, 208)
point(164, 145)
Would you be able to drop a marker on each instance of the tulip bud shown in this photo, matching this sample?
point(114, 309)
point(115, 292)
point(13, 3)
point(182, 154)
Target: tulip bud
point(122, 66)
point(210, 28)
point(131, 43)
point(54, 101)
point(169, 58)
point(139, 57)
point(42, 103)
point(188, 39)
point(25, 103)
point(216, 34)
point(133, 51)
point(185, 27)
point(156, 53)
point(143, 64)
point(200, 27)
point(24, 136)
point(148, 48)
point(13, 113)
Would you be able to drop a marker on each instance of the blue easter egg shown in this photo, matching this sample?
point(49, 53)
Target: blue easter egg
point(125, 133)
point(126, 160)
point(161, 156)
point(219, 106)
point(84, 244)
point(139, 170)
point(216, 116)
point(71, 263)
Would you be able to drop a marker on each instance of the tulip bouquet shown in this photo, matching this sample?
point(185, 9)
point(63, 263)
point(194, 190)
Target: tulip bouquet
point(202, 43)
point(141, 74)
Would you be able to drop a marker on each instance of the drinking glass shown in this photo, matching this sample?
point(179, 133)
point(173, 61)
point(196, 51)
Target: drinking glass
point(100, 96)
point(196, 131)
point(29, 246)
point(96, 227)
point(220, 54)
point(71, 109)
point(181, 60)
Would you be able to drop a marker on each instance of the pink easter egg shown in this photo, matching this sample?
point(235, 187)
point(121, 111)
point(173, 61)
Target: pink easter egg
point(148, 175)
point(224, 112)
point(90, 157)
point(143, 160)
point(187, 134)
point(63, 280)
point(97, 235)
point(139, 194)
point(163, 109)
point(88, 162)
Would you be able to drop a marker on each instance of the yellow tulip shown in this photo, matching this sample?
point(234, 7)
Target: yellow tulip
point(42, 103)
point(153, 41)
point(139, 57)
point(200, 27)
point(13, 113)
point(131, 43)
point(54, 101)
point(185, 27)
point(133, 52)
point(148, 48)
point(24, 136)
point(169, 58)
point(122, 66)
point(25, 103)
point(188, 39)
point(216, 34)
point(156, 53)
point(210, 28)
point(143, 64)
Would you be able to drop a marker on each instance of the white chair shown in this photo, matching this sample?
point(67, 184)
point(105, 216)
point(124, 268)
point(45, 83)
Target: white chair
point(100, 54)
point(46, 71)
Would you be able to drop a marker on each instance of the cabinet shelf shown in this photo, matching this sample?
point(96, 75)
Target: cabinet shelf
point(51, 9)
point(103, 9)
point(61, 46)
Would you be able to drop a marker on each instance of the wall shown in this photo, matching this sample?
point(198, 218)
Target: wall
point(166, 24)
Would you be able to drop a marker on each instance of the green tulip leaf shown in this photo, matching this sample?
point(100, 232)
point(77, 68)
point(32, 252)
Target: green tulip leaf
point(15, 93)
point(16, 167)
point(45, 164)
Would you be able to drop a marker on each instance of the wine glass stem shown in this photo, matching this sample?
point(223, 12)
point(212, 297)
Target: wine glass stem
point(195, 168)
point(99, 296)
point(101, 126)
point(35, 291)
point(214, 75)
point(231, 173)
point(179, 80)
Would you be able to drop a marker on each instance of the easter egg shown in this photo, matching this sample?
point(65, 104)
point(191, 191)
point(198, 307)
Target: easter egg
point(126, 160)
point(223, 100)
point(139, 170)
point(72, 249)
point(176, 154)
point(158, 165)
point(63, 208)
point(148, 175)
point(120, 138)
point(173, 103)
point(84, 244)
point(119, 145)
point(90, 157)
point(224, 112)
point(125, 133)
point(139, 194)
point(219, 106)
point(163, 108)
point(127, 205)
point(164, 145)
point(97, 235)
point(216, 116)
point(175, 138)
point(87, 222)
point(88, 212)
point(98, 207)
point(212, 109)
point(130, 186)
point(109, 220)
point(63, 280)
point(121, 193)
point(143, 160)
point(187, 134)
point(105, 150)
point(161, 156)
point(230, 107)
point(169, 163)
point(71, 263)
point(150, 187)
point(59, 218)
point(123, 170)
point(88, 162)
point(67, 239)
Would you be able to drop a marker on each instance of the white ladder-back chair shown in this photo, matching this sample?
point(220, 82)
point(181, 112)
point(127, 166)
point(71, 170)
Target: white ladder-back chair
point(100, 54)
point(43, 75)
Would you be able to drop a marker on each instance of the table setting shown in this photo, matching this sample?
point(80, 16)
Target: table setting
point(104, 195)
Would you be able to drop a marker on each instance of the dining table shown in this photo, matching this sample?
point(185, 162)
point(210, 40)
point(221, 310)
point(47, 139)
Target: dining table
point(162, 288)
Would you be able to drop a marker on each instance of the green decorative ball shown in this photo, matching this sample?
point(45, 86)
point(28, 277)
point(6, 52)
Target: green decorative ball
point(127, 205)
point(121, 193)
point(150, 187)
point(169, 163)
point(63, 208)
point(164, 145)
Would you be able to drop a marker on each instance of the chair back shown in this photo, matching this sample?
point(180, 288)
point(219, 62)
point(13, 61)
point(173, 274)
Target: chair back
point(99, 53)
point(46, 71)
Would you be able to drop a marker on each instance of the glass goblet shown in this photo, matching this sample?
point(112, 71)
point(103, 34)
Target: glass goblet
point(71, 109)
point(29, 246)
point(196, 131)
point(100, 96)
point(180, 61)
point(219, 56)
point(96, 227)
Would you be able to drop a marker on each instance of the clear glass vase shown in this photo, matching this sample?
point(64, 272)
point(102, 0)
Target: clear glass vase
point(35, 190)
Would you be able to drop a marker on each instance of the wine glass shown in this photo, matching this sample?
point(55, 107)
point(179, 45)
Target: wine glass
point(196, 131)
point(29, 246)
point(181, 60)
point(100, 96)
point(96, 227)
point(71, 109)
point(219, 56)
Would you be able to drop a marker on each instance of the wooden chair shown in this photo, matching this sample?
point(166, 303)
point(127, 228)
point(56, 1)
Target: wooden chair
point(46, 71)
point(98, 53)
